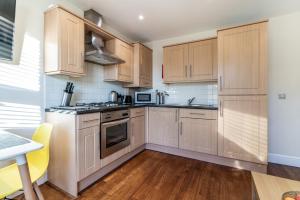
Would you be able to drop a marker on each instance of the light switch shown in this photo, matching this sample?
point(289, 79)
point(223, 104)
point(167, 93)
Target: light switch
point(281, 96)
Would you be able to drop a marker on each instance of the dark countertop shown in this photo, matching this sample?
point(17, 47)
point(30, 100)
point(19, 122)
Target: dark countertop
point(121, 107)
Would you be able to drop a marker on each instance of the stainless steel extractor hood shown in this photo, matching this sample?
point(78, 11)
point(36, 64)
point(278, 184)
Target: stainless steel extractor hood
point(95, 51)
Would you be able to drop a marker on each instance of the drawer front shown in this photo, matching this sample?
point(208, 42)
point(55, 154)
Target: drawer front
point(88, 120)
point(198, 113)
point(135, 112)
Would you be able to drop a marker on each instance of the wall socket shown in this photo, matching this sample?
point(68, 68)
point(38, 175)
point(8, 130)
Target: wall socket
point(281, 96)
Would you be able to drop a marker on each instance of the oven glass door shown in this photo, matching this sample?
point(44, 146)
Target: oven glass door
point(114, 136)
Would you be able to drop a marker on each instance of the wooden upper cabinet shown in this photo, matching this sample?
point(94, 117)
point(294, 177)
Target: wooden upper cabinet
point(243, 128)
point(64, 43)
point(121, 72)
point(242, 59)
point(142, 67)
point(191, 62)
point(175, 63)
point(201, 61)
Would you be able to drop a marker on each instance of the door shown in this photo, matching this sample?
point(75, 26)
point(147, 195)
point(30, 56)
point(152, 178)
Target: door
point(145, 67)
point(137, 132)
point(201, 60)
point(88, 151)
point(176, 63)
point(167, 121)
point(72, 43)
point(243, 60)
point(242, 128)
point(198, 135)
point(125, 70)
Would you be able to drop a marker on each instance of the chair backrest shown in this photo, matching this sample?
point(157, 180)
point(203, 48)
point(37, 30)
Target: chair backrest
point(40, 158)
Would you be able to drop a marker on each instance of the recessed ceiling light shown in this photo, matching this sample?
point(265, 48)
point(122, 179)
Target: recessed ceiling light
point(141, 17)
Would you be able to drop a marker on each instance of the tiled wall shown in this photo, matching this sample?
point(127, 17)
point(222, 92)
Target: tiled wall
point(89, 88)
point(205, 93)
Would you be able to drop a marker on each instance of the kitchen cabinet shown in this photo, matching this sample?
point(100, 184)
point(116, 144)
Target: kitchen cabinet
point(242, 58)
point(242, 128)
point(191, 62)
point(120, 72)
point(142, 71)
point(137, 123)
point(198, 131)
point(63, 43)
point(88, 151)
point(163, 126)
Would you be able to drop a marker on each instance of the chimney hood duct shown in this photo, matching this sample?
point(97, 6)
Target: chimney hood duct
point(95, 51)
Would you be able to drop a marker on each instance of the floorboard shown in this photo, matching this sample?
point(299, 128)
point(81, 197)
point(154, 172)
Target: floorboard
point(158, 176)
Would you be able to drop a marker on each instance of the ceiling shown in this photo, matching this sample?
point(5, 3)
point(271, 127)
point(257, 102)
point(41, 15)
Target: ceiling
point(170, 18)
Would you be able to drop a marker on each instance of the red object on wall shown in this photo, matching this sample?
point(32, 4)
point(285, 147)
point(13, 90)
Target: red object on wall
point(162, 71)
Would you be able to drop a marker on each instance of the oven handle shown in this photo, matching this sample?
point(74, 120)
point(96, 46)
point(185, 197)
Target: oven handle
point(115, 122)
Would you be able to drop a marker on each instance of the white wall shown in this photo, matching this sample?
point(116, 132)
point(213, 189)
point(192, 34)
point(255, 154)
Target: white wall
point(205, 93)
point(284, 77)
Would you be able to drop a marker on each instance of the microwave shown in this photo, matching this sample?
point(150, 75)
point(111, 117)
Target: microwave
point(145, 97)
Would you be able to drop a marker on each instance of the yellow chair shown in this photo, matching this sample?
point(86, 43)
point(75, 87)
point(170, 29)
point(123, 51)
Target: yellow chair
point(10, 181)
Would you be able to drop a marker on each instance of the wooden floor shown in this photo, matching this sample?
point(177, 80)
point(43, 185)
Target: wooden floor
point(154, 175)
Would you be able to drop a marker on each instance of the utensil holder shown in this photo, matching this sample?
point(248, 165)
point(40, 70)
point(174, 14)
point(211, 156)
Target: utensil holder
point(66, 99)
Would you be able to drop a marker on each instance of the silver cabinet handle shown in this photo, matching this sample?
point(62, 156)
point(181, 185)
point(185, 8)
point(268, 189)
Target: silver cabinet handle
point(197, 114)
point(221, 83)
point(180, 128)
point(191, 70)
point(221, 109)
point(176, 115)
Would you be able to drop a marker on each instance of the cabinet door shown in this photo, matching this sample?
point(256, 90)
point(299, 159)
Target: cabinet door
point(176, 63)
point(125, 70)
point(198, 135)
point(72, 43)
point(146, 67)
point(201, 60)
point(88, 151)
point(243, 60)
point(137, 132)
point(163, 126)
point(242, 128)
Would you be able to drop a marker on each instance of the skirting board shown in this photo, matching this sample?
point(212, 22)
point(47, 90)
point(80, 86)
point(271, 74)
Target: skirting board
point(209, 158)
point(284, 160)
point(107, 169)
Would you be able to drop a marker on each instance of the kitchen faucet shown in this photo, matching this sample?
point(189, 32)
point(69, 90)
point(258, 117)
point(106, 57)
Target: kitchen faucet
point(190, 101)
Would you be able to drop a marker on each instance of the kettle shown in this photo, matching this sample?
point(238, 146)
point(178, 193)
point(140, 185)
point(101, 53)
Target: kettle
point(113, 96)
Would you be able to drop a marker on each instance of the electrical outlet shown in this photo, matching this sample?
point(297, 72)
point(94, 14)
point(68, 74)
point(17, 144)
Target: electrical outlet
point(281, 96)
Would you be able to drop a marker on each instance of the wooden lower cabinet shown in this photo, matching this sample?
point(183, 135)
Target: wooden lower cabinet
point(137, 132)
point(199, 135)
point(163, 126)
point(243, 128)
point(88, 151)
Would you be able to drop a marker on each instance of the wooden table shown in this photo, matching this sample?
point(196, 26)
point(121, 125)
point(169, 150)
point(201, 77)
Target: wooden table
point(15, 147)
point(266, 187)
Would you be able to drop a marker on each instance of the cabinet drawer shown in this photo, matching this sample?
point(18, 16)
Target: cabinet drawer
point(137, 112)
point(198, 113)
point(88, 120)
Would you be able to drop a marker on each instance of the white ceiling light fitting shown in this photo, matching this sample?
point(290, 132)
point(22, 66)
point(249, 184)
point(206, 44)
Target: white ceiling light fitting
point(141, 17)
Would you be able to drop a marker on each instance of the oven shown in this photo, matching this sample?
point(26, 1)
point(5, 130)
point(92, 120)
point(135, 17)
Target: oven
point(115, 134)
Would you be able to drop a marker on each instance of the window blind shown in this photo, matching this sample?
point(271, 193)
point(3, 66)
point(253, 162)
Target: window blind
point(7, 21)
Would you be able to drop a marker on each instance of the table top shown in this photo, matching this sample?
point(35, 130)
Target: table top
point(272, 187)
point(12, 145)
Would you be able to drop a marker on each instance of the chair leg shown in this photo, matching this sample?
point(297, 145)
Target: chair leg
point(38, 191)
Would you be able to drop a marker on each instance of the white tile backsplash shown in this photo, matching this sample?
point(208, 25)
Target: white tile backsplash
point(89, 88)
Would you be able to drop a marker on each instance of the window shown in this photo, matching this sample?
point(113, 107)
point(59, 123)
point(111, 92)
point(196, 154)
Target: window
point(7, 24)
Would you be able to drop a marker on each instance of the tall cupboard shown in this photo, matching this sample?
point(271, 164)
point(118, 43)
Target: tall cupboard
point(242, 68)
